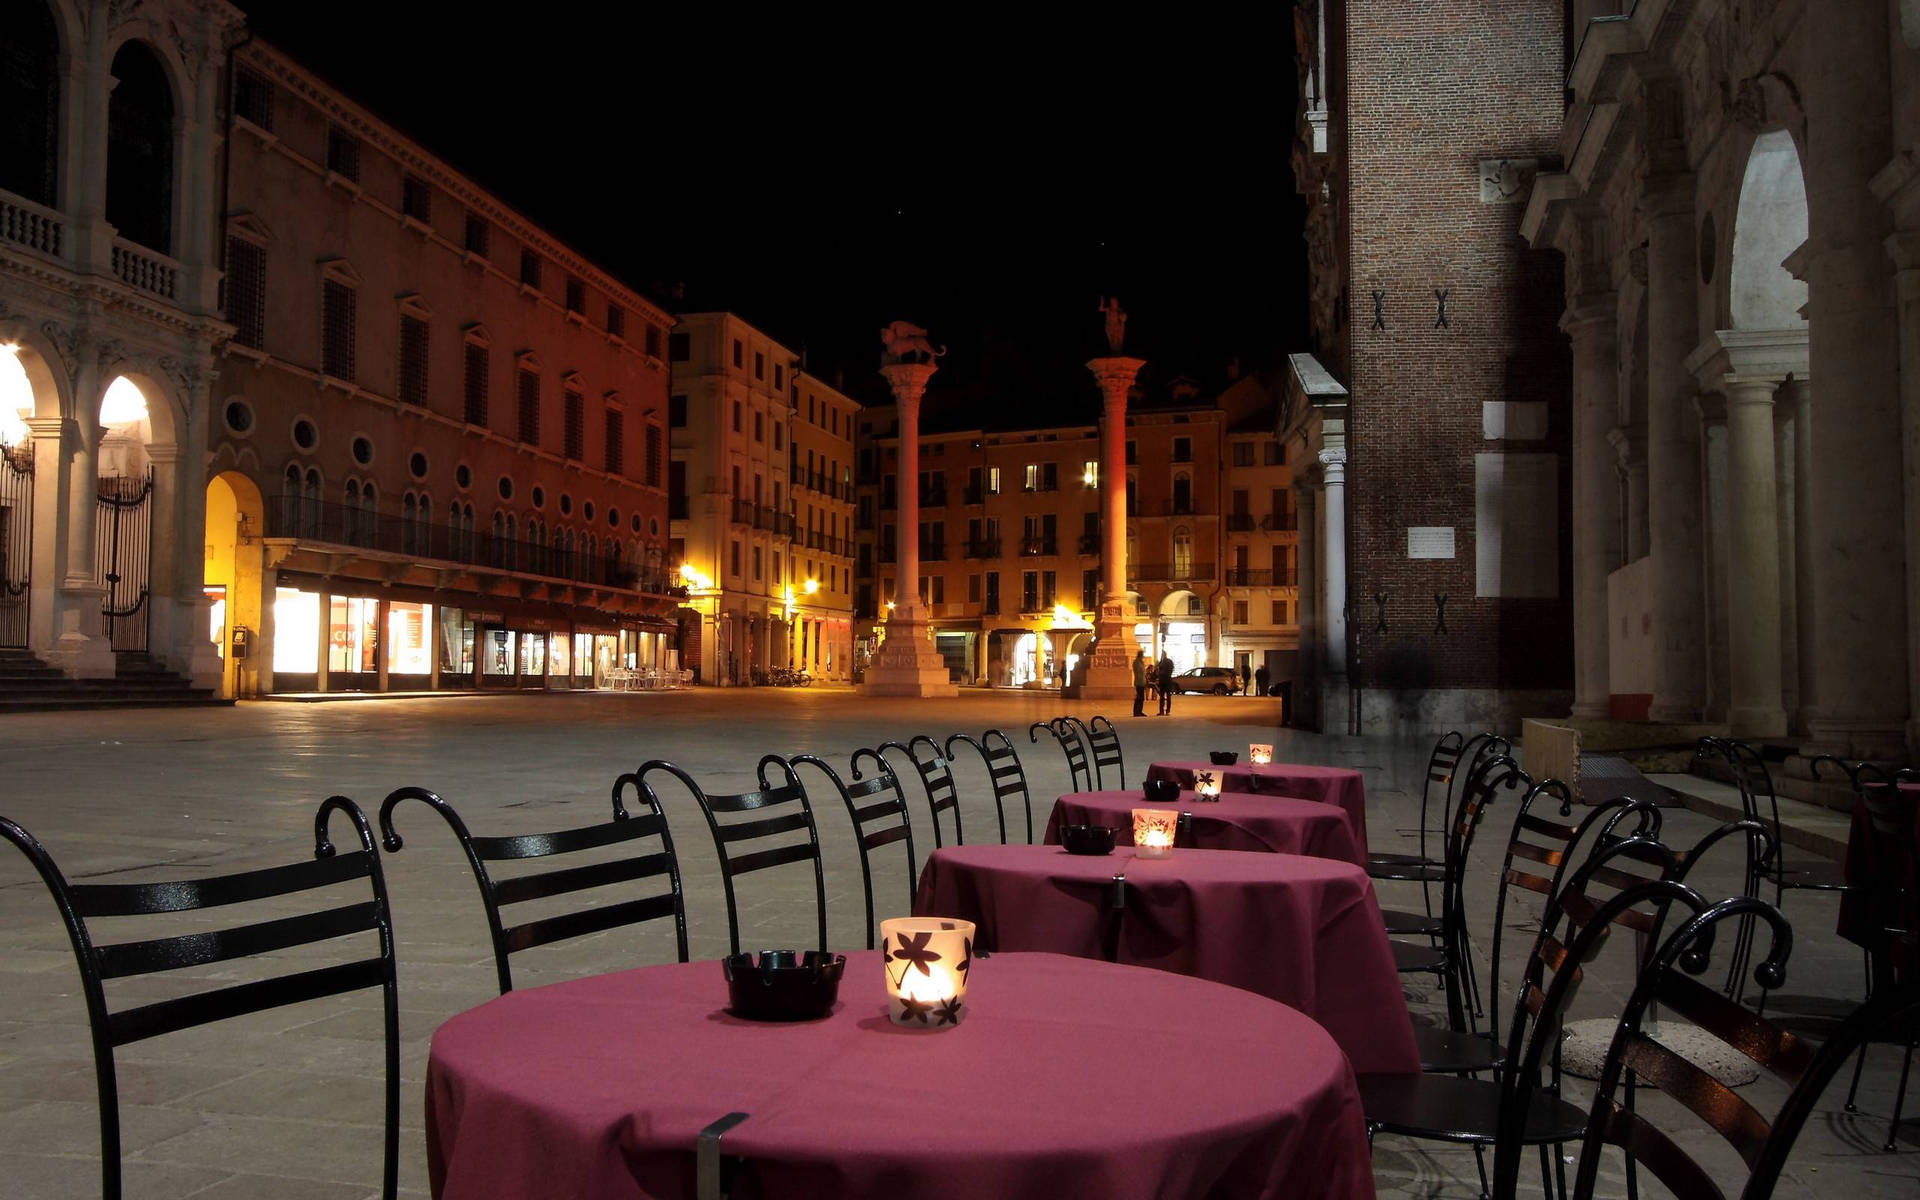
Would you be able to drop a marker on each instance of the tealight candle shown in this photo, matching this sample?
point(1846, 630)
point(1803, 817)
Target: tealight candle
point(1206, 785)
point(1257, 753)
point(927, 960)
point(1153, 832)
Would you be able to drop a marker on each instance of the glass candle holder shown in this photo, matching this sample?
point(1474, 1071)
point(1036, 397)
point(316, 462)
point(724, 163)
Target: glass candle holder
point(1153, 830)
point(1206, 785)
point(1258, 754)
point(927, 960)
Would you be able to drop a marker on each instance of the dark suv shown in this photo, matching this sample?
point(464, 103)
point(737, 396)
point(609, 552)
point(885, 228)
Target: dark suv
point(1221, 681)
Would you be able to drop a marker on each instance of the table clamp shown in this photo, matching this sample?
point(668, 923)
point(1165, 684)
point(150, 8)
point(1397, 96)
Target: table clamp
point(714, 1172)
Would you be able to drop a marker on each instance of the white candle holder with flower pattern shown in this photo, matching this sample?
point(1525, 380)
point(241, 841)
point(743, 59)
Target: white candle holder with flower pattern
point(1206, 785)
point(1259, 755)
point(1153, 830)
point(927, 960)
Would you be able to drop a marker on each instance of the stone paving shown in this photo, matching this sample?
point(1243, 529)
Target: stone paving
point(286, 1104)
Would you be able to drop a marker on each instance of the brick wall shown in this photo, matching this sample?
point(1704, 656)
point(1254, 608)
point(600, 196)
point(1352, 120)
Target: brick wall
point(1431, 91)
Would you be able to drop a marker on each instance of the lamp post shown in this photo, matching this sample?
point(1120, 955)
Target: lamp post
point(907, 664)
point(1107, 673)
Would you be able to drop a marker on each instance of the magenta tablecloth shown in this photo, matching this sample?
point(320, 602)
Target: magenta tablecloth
point(1303, 931)
point(1065, 1079)
point(1329, 785)
point(1275, 824)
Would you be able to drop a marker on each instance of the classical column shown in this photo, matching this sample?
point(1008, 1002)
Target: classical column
point(48, 568)
point(1753, 562)
point(1905, 250)
point(1860, 704)
point(1596, 531)
point(1712, 407)
point(1803, 554)
point(1673, 458)
point(1630, 447)
point(1306, 574)
point(1785, 493)
point(1107, 673)
point(82, 649)
point(1333, 566)
point(907, 663)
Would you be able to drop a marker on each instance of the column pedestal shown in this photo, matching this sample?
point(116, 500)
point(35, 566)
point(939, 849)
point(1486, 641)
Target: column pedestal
point(906, 663)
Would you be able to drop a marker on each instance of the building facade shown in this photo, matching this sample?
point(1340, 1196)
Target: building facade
point(1737, 201)
point(308, 410)
point(762, 502)
point(1010, 540)
point(1429, 417)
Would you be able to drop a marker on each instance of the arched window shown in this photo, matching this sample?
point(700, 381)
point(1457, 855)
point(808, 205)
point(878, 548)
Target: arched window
point(140, 149)
point(290, 503)
point(310, 519)
point(350, 516)
point(559, 552)
point(537, 546)
point(458, 530)
point(512, 559)
point(1182, 554)
point(30, 103)
point(369, 516)
point(409, 512)
point(499, 555)
point(424, 539)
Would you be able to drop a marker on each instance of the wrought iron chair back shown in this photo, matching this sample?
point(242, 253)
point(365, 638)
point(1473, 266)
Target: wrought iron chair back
point(1635, 1057)
point(1079, 767)
point(1103, 740)
point(771, 811)
point(112, 1028)
point(936, 779)
point(1475, 797)
point(1008, 777)
point(878, 808)
point(496, 894)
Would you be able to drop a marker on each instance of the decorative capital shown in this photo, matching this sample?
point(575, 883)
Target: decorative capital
point(1115, 374)
point(1333, 456)
point(908, 380)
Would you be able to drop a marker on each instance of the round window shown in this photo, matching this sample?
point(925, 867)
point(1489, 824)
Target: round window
point(418, 465)
point(506, 488)
point(239, 417)
point(362, 451)
point(566, 505)
point(304, 434)
point(539, 496)
point(463, 476)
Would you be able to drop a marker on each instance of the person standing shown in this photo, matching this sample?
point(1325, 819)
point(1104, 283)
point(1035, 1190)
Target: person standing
point(1139, 683)
point(1166, 685)
point(1261, 676)
point(1246, 678)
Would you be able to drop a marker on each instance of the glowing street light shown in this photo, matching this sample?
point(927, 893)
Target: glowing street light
point(812, 586)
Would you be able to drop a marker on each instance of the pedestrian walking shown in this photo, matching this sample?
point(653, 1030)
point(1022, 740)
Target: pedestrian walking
point(1260, 677)
point(1139, 683)
point(1166, 685)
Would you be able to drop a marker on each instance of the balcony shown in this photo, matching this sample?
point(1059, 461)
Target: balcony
point(340, 525)
point(1169, 572)
point(140, 268)
point(1239, 522)
point(1089, 543)
point(1039, 546)
point(1243, 577)
point(1281, 522)
point(33, 226)
point(983, 548)
point(742, 512)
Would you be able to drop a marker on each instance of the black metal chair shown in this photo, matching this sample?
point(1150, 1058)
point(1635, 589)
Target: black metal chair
point(81, 902)
point(1079, 767)
point(1445, 767)
point(1008, 777)
point(776, 810)
point(936, 779)
point(871, 804)
point(1103, 740)
point(1635, 1058)
point(1519, 1108)
point(496, 894)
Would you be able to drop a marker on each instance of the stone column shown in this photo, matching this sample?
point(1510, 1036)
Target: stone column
point(1673, 458)
point(1803, 553)
point(1107, 672)
point(1596, 532)
point(1712, 407)
point(1784, 492)
point(1860, 703)
point(48, 567)
point(1630, 446)
point(81, 648)
point(1753, 563)
point(907, 663)
point(1905, 250)
point(1333, 567)
point(1306, 681)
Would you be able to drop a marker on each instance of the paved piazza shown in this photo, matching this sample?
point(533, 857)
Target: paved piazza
point(286, 1104)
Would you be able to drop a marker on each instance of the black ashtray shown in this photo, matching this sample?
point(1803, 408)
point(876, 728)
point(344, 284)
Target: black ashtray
point(1086, 839)
point(1161, 792)
point(1224, 758)
point(783, 985)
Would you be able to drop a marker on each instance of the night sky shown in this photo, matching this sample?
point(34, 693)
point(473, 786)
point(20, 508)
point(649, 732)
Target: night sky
point(987, 181)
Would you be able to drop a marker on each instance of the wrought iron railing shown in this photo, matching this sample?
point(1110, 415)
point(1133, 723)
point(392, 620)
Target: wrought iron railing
point(1039, 546)
point(1169, 572)
point(983, 548)
point(1239, 522)
point(1089, 543)
point(344, 525)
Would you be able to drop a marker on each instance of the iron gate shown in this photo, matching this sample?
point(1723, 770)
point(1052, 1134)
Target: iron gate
point(16, 542)
point(122, 557)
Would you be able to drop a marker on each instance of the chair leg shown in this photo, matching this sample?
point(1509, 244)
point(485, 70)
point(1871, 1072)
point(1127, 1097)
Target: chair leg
point(1853, 1092)
point(1546, 1170)
point(1900, 1094)
point(1480, 1163)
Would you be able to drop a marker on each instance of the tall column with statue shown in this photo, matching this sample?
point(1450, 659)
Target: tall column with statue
point(1107, 674)
point(907, 664)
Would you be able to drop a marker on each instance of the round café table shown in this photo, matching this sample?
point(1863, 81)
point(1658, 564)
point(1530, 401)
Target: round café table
point(1304, 931)
point(1329, 785)
point(1064, 1078)
point(1274, 824)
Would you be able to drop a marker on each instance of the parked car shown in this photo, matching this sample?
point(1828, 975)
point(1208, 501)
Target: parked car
point(1221, 681)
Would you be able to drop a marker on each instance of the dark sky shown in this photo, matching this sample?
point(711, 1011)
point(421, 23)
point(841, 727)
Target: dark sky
point(988, 181)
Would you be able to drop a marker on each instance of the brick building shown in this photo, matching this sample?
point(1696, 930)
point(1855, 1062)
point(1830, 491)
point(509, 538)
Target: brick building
point(1430, 413)
point(1010, 537)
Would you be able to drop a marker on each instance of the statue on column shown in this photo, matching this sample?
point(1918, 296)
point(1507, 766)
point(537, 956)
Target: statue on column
point(906, 342)
point(1116, 323)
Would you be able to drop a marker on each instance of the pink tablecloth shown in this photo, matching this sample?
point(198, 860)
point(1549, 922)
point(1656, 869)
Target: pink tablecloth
point(1065, 1079)
point(1274, 824)
point(1303, 931)
point(1330, 785)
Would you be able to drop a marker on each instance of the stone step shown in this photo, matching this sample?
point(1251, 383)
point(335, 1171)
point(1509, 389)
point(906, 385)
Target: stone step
point(197, 698)
point(1814, 828)
point(29, 685)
